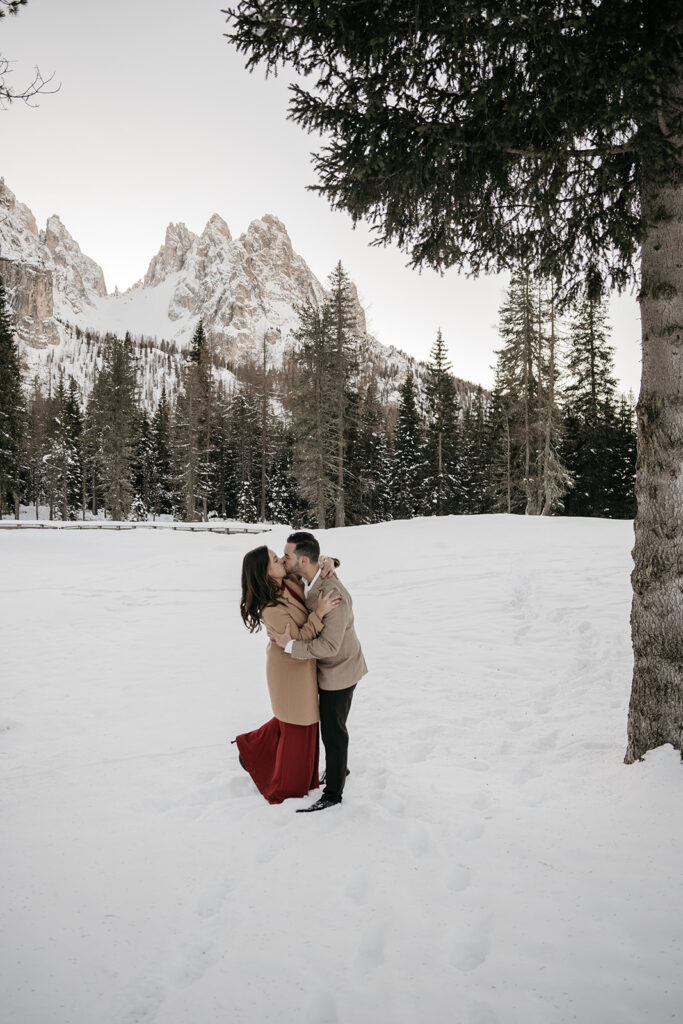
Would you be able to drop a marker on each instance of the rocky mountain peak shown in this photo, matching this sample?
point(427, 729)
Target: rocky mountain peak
point(171, 255)
point(19, 235)
point(217, 229)
point(267, 233)
point(77, 277)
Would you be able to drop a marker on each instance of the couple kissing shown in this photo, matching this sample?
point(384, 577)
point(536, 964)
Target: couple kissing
point(313, 663)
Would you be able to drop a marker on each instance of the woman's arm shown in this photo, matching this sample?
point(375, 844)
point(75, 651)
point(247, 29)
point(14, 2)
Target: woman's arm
point(277, 617)
point(328, 565)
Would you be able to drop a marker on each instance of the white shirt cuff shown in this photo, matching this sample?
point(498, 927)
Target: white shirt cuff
point(288, 648)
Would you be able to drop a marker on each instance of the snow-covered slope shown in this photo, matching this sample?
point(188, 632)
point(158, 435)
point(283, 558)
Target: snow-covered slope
point(493, 861)
point(246, 290)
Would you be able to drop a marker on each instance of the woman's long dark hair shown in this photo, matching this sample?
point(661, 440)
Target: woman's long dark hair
point(258, 589)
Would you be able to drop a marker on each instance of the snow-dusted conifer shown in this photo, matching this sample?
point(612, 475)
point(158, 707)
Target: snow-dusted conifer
point(590, 413)
point(12, 413)
point(312, 405)
point(441, 485)
point(246, 503)
point(113, 411)
point(409, 461)
point(162, 492)
point(193, 424)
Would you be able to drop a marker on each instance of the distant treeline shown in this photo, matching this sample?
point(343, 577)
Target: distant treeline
point(312, 444)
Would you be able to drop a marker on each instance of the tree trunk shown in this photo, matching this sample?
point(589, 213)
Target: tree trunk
point(440, 488)
point(529, 485)
point(319, 437)
point(340, 511)
point(550, 408)
point(656, 708)
point(509, 464)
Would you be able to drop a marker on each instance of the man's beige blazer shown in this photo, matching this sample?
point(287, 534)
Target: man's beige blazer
point(337, 648)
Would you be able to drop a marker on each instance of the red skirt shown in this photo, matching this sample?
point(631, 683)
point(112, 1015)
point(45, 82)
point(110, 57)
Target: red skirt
point(282, 759)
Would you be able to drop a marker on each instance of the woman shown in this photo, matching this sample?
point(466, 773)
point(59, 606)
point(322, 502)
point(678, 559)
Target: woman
point(282, 756)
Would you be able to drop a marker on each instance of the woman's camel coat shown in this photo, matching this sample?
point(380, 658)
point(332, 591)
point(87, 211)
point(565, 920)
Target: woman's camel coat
point(293, 685)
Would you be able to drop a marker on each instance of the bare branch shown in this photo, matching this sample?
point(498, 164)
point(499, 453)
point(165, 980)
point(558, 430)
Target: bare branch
point(39, 86)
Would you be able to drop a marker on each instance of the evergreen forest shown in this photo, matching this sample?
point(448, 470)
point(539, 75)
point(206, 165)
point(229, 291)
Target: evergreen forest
point(311, 443)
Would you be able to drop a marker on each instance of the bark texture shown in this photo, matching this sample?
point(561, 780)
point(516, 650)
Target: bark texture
point(656, 708)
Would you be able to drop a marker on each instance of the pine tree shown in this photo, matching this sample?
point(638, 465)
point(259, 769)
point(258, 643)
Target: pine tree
point(369, 462)
point(223, 461)
point(553, 476)
point(312, 407)
point(113, 412)
point(475, 458)
point(143, 466)
point(441, 486)
point(342, 364)
point(162, 492)
point(246, 503)
point(34, 473)
point(409, 455)
point(525, 424)
point(517, 387)
point(245, 442)
point(623, 472)
point(590, 411)
point(584, 184)
point(284, 504)
point(193, 427)
point(73, 427)
point(63, 455)
point(12, 413)
point(93, 437)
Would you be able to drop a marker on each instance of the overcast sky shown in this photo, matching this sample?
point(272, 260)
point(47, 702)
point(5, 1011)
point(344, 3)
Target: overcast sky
point(157, 121)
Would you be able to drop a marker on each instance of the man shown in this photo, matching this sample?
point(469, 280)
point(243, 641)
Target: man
point(340, 661)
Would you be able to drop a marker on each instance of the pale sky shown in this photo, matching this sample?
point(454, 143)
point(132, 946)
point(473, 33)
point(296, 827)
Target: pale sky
point(157, 121)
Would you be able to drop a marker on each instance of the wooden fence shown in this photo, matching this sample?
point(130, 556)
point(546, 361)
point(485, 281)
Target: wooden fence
point(111, 524)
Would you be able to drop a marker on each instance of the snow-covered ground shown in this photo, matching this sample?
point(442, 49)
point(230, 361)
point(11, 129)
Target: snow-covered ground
point(493, 860)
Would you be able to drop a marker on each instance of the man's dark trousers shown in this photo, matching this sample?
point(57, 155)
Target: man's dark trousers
point(334, 710)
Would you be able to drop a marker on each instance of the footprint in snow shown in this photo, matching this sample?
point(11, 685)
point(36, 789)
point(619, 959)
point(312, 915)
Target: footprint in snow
point(469, 948)
point(392, 803)
point(470, 830)
point(321, 1008)
point(197, 956)
point(527, 773)
point(138, 1003)
point(419, 752)
point(548, 742)
point(457, 877)
point(371, 947)
point(419, 842)
point(481, 1013)
point(517, 726)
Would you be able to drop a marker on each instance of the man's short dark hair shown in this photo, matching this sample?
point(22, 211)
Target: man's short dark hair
point(305, 544)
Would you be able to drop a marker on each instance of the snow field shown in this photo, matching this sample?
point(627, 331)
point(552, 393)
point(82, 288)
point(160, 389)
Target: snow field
point(493, 862)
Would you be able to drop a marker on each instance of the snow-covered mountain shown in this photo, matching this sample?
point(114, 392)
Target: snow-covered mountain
point(246, 290)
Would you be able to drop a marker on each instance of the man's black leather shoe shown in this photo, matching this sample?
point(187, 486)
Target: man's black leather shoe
point(319, 805)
